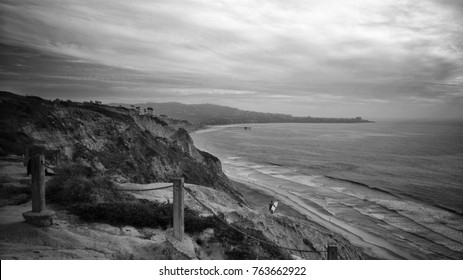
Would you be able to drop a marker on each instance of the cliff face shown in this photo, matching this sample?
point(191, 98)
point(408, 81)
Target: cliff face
point(116, 142)
point(183, 140)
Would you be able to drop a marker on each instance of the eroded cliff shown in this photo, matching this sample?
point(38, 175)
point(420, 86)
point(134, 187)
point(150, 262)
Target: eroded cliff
point(117, 142)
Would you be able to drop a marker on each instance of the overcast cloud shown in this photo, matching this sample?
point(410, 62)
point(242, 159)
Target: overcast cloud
point(341, 58)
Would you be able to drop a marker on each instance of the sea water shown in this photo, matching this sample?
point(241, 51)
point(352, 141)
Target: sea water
point(393, 188)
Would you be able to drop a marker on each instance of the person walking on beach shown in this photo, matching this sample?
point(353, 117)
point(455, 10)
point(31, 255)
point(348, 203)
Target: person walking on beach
point(270, 207)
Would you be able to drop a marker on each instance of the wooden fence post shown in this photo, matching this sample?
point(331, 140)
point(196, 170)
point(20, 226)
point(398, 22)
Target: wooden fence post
point(57, 158)
point(188, 149)
point(39, 215)
point(178, 209)
point(332, 252)
point(26, 155)
point(38, 183)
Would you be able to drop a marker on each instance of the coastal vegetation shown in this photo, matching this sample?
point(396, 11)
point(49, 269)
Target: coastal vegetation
point(94, 198)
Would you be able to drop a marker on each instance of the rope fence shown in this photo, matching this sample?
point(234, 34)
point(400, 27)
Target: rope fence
point(193, 195)
point(245, 233)
point(190, 192)
point(144, 190)
point(49, 167)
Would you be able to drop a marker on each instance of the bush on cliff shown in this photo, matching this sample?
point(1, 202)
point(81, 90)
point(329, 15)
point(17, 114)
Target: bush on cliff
point(77, 184)
point(141, 213)
point(95, 199)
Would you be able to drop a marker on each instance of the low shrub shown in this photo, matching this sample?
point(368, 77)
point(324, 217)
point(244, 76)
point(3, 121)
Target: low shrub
point(95, 199)
point(83, 190)
point(137, 213)
point(11, 195)
point(76, 184)
point(140, 213)
point(196, 224)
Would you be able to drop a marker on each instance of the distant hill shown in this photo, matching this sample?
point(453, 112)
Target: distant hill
point(210, 114)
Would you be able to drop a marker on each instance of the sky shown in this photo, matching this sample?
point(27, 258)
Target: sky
point(321, 58)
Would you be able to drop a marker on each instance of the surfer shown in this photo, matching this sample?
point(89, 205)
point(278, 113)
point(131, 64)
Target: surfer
point(272, 206)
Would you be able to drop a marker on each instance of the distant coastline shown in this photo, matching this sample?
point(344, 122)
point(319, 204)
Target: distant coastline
point(211, 114)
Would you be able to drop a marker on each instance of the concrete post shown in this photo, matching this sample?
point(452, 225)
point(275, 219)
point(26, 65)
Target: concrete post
point(39, 215)
point(178, 209)
point(26, 155)
point(332, 252)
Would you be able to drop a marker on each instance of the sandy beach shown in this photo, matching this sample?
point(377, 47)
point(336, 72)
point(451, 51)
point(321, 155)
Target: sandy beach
point(258, 196)
point(259, 193)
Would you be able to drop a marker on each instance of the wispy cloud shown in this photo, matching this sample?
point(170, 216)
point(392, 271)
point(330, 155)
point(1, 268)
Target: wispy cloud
point(370, 53)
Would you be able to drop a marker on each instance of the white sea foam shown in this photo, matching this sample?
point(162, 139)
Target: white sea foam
point(429, 217)
point(413, 218)
point(234, 158)
point(301, 179)
point(214, 128)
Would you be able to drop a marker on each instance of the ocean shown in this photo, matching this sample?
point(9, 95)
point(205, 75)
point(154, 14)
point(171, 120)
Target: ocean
point(395, 189)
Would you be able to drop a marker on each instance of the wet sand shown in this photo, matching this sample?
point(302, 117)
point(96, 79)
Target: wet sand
point(373, 247)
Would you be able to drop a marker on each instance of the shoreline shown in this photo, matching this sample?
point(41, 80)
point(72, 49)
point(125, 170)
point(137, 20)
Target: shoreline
point(363, 208)
point(372, 246)
point(291, 205)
